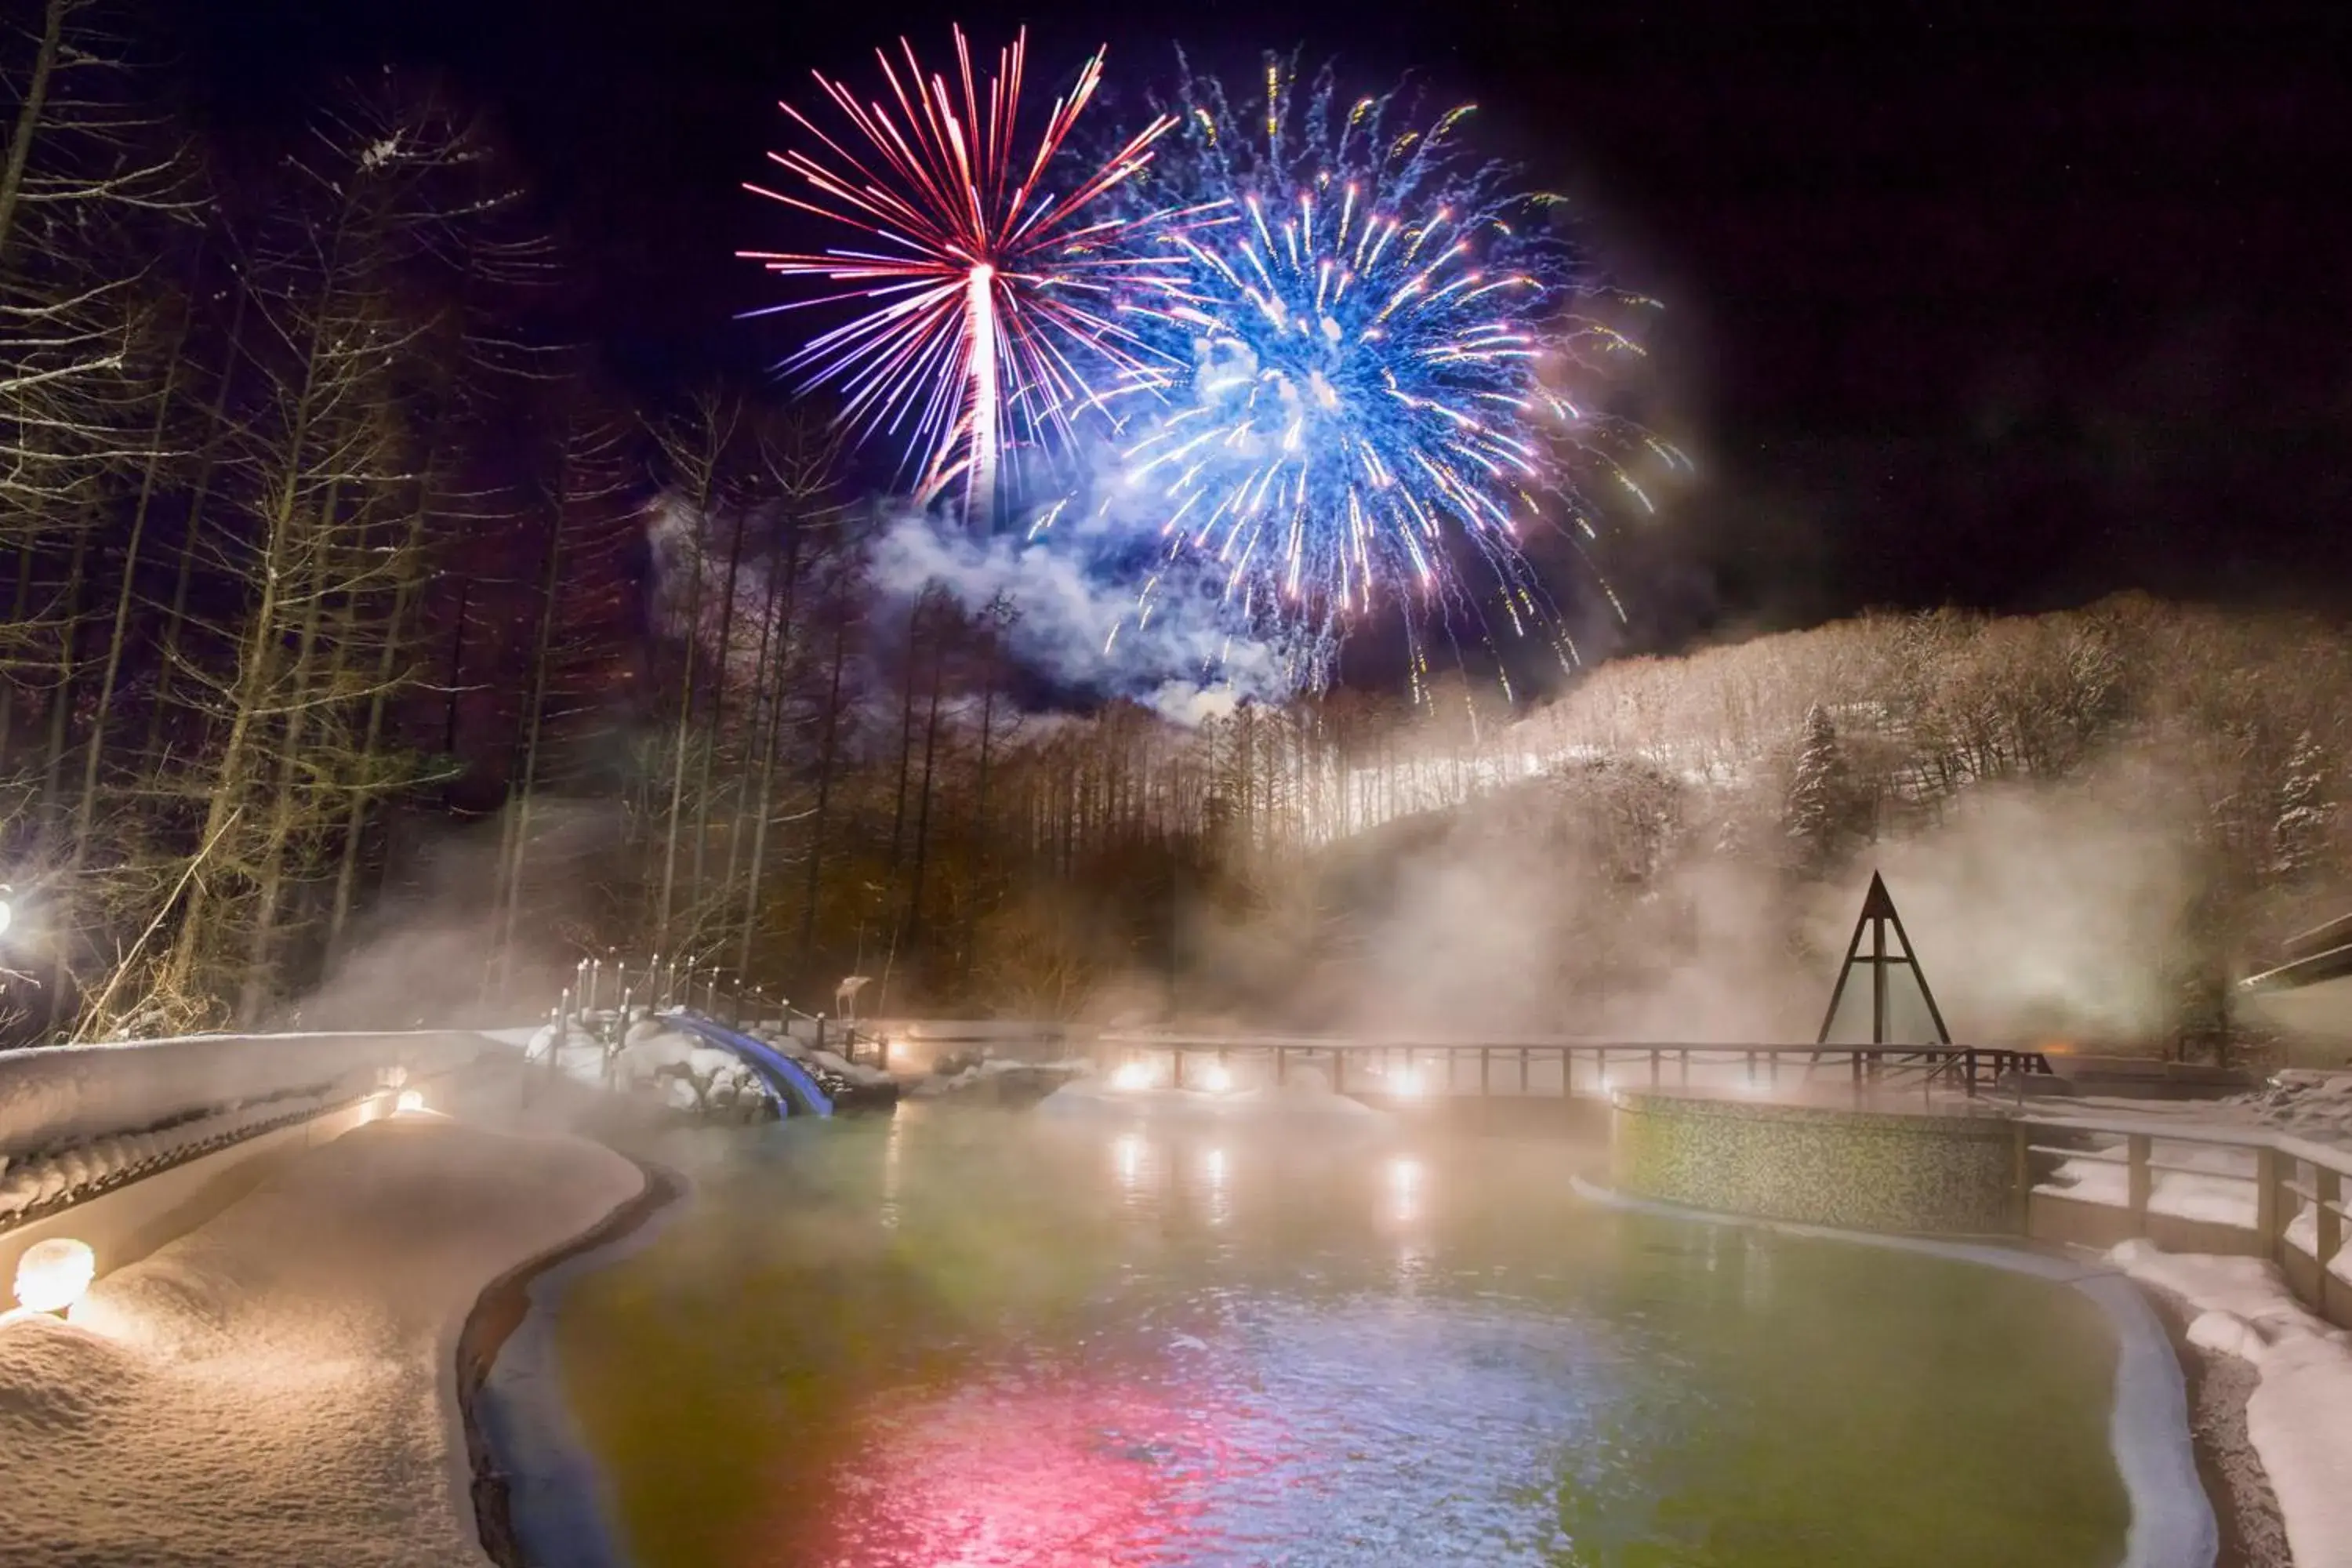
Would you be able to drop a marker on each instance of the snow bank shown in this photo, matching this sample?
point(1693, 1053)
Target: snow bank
point(2300, 1416)
point(279, 1385)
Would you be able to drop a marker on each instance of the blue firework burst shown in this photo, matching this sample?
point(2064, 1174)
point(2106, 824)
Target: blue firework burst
point(1357, 387)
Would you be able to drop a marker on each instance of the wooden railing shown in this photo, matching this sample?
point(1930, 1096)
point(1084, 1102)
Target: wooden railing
point(2283, 1178)
point(1550, 1065)
point(608, 993)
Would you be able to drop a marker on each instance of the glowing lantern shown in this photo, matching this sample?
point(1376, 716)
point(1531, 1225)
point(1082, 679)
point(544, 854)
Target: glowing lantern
point(1406, 1081)
point(1132, 1076)
point(410, 1099)
point(1216, 1079)
point(53, 1274)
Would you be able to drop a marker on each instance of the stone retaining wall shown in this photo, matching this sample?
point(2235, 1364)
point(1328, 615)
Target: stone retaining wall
point(1862, 1170)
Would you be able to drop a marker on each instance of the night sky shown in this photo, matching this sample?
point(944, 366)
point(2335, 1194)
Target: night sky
point(1961, 309)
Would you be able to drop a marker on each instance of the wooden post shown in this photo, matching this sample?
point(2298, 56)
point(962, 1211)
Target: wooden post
point(2136, 1151)
point(2267, 1229)
point(1485, 1072)
point(1338, 1070)
point(2326, 1224)
point(2021, 1173)
point(1655, 1066)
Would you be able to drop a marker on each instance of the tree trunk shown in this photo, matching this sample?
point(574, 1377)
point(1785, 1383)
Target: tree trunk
point(923, 814)
point(717, 712)
point(28, 118)
point(905, 735)
point(260, 953)
point(662, 942)
point(159, 704)
point(781, 631)
point(69, 647)
point(525, 784)
point(825, 750)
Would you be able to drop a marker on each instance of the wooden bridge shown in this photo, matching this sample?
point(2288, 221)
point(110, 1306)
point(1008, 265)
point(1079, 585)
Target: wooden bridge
point(1558, 1066)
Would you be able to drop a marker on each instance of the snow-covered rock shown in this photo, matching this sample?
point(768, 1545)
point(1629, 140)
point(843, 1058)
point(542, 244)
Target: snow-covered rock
point(2309, 1103)
point(2300, 1416)
point(689, 1073)
point(279, 1385)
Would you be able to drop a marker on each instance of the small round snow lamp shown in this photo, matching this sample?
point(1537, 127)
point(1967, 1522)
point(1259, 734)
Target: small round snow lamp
point(53, 1274)
point(1132, 1076)
point(410, 1099)
point(1216, 1079)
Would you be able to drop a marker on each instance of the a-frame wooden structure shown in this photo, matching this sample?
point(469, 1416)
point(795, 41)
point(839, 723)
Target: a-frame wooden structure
point(1877, 917)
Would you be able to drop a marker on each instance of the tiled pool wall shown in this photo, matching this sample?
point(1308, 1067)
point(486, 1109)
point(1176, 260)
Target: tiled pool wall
point(1863, 1170)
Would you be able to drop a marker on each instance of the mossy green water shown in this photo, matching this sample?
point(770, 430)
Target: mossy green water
point(981, 1339)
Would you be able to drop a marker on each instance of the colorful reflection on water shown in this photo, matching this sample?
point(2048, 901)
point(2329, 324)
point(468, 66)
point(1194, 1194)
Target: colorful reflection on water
point(975, 1340)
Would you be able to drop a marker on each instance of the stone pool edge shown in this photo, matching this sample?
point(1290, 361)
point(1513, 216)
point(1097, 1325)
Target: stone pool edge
point(537, 1495)
point(2172, 1520)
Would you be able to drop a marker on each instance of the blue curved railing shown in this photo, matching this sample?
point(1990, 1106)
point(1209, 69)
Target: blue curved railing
point(784, 1074)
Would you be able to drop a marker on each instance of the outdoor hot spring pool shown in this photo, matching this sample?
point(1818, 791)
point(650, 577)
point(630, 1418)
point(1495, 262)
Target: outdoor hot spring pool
point(961, 1338)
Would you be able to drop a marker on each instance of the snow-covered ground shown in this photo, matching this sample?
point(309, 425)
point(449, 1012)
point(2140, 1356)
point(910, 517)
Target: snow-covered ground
point(279, 1385)
point(2300, 1416)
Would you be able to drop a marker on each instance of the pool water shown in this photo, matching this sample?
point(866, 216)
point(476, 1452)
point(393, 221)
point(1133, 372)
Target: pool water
point(973, 1337)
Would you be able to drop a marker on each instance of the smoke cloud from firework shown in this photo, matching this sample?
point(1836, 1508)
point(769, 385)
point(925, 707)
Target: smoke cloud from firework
point(1181, 661)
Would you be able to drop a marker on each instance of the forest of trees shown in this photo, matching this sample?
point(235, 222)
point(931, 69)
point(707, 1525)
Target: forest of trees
point(344, 593)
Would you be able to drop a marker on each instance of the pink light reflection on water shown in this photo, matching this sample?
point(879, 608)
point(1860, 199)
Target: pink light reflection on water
point(1055, 1470)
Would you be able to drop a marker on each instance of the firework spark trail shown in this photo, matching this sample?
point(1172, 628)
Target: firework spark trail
point(982, 303)
point(1342, 389)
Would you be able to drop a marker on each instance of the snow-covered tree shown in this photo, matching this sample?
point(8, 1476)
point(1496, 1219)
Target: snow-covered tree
point(1817, 818)
point(2299, 836)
